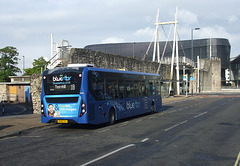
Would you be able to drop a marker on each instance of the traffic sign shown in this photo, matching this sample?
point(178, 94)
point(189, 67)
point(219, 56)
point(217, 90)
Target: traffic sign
point(185, 77)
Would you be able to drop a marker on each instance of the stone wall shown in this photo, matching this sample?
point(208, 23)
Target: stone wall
point(210, 74)
point(113, 61)
point(3, 92)
point(36, 89)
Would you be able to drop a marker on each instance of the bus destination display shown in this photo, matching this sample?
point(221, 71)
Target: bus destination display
point(65, 87)
point(62, 83)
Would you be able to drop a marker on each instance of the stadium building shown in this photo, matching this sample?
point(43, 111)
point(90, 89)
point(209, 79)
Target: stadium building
point(204, 48)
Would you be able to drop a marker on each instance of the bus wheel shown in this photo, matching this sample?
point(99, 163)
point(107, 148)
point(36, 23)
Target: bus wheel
point(111, 118)
point(153, 108)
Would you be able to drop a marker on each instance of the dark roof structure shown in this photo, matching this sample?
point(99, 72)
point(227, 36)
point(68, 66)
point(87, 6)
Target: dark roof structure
point(236, 59)
point(220, 48)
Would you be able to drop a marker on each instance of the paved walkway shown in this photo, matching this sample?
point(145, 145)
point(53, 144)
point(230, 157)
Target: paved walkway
point(14, 125)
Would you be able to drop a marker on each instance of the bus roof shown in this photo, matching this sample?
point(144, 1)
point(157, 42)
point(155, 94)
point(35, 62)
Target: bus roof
point(121, 71)
point(50, 71)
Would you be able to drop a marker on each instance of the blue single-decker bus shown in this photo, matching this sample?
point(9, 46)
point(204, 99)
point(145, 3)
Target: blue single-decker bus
point(89, 95)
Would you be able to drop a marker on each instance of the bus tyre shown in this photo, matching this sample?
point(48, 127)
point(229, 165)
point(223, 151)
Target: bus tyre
point(153, 108)
point(111, 119)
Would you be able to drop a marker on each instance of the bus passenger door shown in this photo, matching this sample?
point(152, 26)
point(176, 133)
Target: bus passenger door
point(96, 89)
point(101, 111)
point(97, 111)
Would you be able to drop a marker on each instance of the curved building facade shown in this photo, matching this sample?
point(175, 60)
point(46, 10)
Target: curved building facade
point(204, 48)
point(235, 71)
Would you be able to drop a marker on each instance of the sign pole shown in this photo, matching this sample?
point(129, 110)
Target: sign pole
point(185, 78)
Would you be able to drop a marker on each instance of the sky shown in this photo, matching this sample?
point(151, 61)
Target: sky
point(28, 24)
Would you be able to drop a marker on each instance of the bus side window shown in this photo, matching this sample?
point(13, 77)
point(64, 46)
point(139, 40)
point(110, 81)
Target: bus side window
point(96, 85)
point(111, 89)
point(151, 88)
point(137, 89)
point(144, 92)
point(158, 87)
point(121, 89)
point(129, 89)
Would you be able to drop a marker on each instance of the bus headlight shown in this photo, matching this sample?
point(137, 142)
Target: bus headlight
point(83, 111)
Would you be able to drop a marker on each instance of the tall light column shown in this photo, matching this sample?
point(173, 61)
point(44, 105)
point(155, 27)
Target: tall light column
point(192, 55)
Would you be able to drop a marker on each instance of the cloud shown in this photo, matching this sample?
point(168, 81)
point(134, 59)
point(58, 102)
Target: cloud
point(34, 16)
point(148, 19)
point(232, 19)
point(145, 32)
point(187, 17)
point(213, 32)
point(113, 40)
point(19, 34)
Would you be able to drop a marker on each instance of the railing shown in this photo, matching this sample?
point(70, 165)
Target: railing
point(62, 53)
point(54, 61)
point(182, 60)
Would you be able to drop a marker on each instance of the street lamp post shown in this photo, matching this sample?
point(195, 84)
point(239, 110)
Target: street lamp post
point(192, 54)
point(133, 50)
point(23, 65)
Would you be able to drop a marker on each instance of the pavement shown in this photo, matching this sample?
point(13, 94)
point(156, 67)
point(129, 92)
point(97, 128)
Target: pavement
point(14, 125)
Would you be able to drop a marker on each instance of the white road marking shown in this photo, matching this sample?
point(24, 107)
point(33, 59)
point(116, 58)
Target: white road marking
point(176, 125)
point(200, 114)
point(104, 130)
point(31, 136)
point(123, 124)
point(108, 154)
point(214, 108)
point(144, 140)
point(150, 117)
point(139, 120)
point(161, 114)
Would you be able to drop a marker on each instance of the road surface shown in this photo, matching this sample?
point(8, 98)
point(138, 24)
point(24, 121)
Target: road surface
point(196, 131)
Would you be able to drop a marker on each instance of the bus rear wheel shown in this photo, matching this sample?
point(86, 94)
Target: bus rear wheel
point(111, 118)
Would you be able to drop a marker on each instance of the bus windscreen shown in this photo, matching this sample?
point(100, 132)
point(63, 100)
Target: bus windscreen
point(62, 83)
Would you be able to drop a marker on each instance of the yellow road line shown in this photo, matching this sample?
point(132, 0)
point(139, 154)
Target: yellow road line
point(237, 163)
point(8, 138)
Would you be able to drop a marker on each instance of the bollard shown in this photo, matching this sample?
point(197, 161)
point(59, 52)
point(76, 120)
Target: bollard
point(2, 108)
point(172, 93)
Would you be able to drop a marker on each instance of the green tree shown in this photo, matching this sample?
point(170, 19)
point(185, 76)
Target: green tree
point(37, 65)
point(8, 61)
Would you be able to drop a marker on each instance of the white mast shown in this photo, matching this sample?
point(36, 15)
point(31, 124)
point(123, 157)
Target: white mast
point(51, 45)
point(175, 46)
point(177, 57)
point(156, 37)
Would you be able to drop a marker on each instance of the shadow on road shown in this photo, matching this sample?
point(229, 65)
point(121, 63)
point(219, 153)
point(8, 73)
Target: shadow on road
point(93, 127)
point(7, 109)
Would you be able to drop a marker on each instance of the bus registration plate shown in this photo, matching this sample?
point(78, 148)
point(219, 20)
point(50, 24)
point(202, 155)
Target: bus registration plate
point(62, 121)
